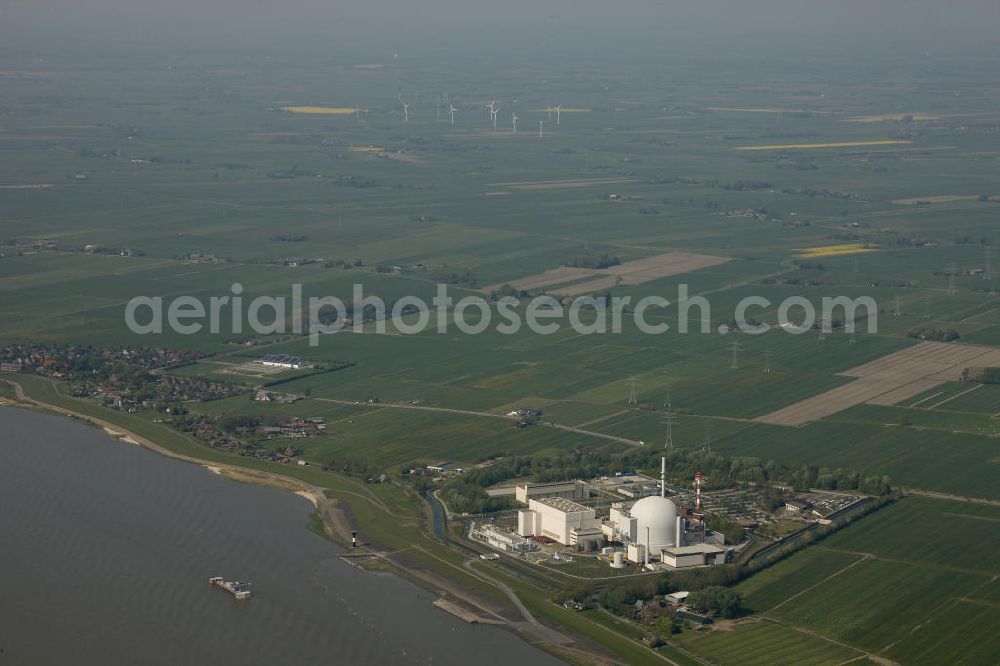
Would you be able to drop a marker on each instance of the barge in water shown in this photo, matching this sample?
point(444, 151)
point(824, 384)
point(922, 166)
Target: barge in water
point(236, 588)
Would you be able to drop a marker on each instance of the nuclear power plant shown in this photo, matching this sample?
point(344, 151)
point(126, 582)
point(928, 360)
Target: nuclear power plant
point(650, 531)
point(653, 533)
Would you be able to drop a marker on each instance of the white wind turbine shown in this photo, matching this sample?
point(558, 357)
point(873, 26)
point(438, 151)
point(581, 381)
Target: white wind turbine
point(451, 112)
point(540, 128)
point(406, 112)
point(558, 109)
point(496, 112)
point(513, 118)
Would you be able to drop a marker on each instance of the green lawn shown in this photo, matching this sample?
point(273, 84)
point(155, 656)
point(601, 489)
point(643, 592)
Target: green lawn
point(766, 642)
point(791, 576)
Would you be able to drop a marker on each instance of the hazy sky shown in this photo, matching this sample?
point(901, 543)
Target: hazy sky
point(936, 23)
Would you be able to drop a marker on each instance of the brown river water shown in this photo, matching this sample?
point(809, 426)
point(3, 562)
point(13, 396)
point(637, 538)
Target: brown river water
point(106, 550)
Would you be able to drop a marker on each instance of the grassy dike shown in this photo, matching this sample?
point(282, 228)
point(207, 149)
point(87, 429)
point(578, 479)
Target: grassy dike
point(392, 523)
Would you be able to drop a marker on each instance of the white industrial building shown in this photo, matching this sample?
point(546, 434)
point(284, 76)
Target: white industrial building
point(501, 540)
point(571, 490)
point(652, 531)
point(695, 555)
point(561, 520)
point(284, 361)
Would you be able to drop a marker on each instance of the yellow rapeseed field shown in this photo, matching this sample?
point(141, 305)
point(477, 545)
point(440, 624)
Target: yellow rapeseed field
point(836, 250)
point(320, 110)
point(842, 144)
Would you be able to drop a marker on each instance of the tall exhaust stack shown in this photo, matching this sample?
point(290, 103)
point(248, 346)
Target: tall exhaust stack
point(697, 491)
point(663, 476)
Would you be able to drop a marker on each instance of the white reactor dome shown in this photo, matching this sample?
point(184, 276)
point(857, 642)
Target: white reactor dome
point(658, 514)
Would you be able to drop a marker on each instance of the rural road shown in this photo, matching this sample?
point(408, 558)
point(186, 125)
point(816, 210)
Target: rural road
point(468, 412)
point(543, 632)
point(954, 498)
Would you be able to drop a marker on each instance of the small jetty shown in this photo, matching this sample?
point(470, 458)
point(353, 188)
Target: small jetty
point(237, 589)
point(463, 614)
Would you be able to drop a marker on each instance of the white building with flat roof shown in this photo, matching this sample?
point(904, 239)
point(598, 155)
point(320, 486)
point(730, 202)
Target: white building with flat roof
point(695, 555)
point(559, 519)
point(572, 490)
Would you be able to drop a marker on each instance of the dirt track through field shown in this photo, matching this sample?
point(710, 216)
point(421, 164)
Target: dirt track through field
point(561, 184)
point(629, 273)
point(889, 380)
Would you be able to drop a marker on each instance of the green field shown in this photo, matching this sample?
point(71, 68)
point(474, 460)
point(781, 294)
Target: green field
point(947, 543)
point(767, 642)
point(876, 602)
point(956, 634)
point(913, 582)
point(774, 585)
point(180, 174)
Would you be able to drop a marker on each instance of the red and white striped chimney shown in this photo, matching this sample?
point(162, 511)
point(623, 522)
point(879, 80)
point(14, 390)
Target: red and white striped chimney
point(697, 491)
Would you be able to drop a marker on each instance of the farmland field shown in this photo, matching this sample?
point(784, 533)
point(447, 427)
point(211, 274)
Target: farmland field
point(766, 643)
point(914, 582)
point(710, 203)
point(833, 608)
point(956, 635)
point(772, 586)
point(212, 193)
point(891, 379)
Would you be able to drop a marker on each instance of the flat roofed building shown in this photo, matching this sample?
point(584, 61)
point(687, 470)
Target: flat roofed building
point(572, 490)
point(557, 518)
point(587, 538)
point(283, 361)
point(697, 555)
point(677, 598)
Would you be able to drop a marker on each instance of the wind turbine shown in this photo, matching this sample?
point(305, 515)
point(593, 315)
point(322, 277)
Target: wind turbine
point(558, 109)
point(451, 112)
point(540, 128)
point(406, 112)
point(513, 117)
point(496, 112)
point(490, 108)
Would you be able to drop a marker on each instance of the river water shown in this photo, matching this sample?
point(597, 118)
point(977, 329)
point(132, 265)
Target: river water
point(106, 550)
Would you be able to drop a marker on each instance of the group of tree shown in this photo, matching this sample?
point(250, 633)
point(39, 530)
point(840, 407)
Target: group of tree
point(604, 260)
point(509, 291)
point(444, 275)
point(938, 334)
point(981, 375)
point(733, 531)
point(468, 490)
point(343, 263)
point(717, 601)
point(463, 495)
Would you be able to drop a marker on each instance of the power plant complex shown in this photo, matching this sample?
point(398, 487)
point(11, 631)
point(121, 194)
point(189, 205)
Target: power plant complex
point(651, 532)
